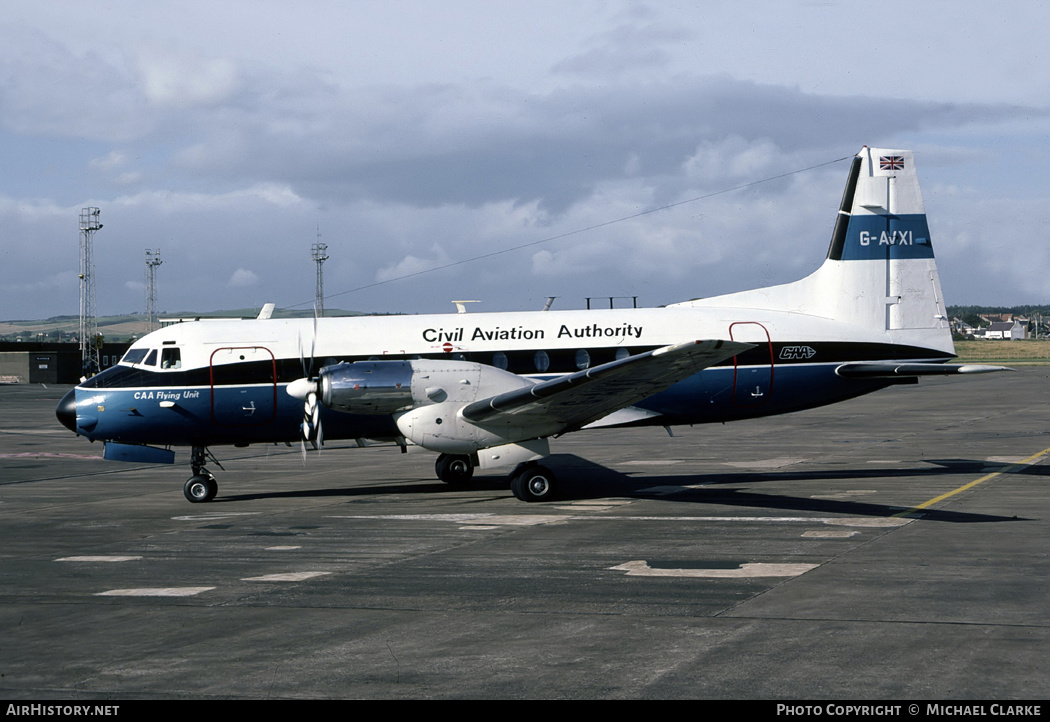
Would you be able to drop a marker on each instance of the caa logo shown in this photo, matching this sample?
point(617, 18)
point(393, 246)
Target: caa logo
point(796, 352)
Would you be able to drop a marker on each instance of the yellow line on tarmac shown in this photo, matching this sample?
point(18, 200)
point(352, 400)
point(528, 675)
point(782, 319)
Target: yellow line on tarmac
point(1008, 470)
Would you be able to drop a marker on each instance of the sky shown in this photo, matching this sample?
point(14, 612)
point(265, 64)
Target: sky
point(505, 151)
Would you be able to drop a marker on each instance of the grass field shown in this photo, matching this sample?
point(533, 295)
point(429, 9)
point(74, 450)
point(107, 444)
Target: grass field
point(1029, 351)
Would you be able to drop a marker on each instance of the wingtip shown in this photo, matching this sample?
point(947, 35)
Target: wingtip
point(982, 369)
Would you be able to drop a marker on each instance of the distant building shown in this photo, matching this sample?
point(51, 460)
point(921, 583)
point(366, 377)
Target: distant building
point(961, 328)
point(45, 362)
point(1002, 330)
point(996, 317)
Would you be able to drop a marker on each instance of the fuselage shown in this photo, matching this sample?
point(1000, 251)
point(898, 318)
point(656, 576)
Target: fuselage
point(223, 382)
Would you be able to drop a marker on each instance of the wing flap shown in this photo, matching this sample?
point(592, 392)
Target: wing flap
point(580, 398)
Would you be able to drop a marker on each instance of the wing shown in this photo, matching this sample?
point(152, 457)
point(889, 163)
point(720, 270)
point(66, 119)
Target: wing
point(580, 398)
point(905, 370)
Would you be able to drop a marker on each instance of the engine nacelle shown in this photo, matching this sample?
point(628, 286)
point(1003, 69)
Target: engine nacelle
point(367, 387)
point(425, 397)
point(440, 427)
point(391, 387)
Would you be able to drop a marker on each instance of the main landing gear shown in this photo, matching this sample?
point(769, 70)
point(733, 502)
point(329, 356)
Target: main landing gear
point(533, 482)
point(529, 481)
point(201, 486)
point(454, 469)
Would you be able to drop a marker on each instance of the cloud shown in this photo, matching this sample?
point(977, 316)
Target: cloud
point(242, 278)
point(177, 78)
point(113, 159)
point(49, 89)
point(412, 265)
point(420, 145)
point(636, 46)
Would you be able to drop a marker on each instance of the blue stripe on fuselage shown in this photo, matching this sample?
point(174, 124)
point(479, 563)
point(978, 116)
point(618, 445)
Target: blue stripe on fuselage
point(710, 396)
point(135, 415)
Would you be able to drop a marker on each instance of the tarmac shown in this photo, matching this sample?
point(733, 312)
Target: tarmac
point(894, 547)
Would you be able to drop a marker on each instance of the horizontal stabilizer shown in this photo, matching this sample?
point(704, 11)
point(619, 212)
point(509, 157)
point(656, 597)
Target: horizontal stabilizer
point(904, 370)
point(580, 398)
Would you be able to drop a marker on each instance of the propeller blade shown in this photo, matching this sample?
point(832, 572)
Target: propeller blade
point(306, 390)
point(313, 343)
point(315, 422)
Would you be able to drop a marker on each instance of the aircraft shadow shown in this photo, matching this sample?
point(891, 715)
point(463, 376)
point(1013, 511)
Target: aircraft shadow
point(594, 481)
point(581, 479)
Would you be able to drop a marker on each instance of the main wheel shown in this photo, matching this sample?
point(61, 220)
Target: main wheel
point(200, 488)
point(533, 483)
point(454, 468)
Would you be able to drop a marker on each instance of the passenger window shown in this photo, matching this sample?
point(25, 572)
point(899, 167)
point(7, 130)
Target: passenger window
point(499, 360)
point(583, 359)
point(541, 361)
point(622, 353)
point(171, 358)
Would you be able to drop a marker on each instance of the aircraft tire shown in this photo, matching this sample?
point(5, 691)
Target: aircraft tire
point(199, 489)
point(533, 483)
point(454, 468)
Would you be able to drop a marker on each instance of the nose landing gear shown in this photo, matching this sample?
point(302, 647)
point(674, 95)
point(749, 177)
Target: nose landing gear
point(201, 486)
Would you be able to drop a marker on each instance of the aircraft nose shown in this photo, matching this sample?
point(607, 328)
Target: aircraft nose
point(67, 410)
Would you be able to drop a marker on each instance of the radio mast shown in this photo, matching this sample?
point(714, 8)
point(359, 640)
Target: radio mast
point(90, 339)
point(319, 252)
point(152, 261)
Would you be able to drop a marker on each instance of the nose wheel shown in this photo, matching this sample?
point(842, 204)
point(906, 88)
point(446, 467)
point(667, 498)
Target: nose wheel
point(201, 487)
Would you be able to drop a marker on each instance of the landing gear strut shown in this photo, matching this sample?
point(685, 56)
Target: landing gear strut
point(201, 486)
point(533, 482)
point(454, 468)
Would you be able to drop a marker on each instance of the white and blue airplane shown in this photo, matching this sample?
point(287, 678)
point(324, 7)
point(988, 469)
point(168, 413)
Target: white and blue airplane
point(489, 390)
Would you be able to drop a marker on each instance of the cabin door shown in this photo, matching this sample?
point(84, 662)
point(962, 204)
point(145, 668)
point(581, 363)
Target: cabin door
point(753, 369)
point(243, 386)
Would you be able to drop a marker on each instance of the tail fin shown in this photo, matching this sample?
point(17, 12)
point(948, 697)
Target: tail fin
point(879, 276)
point(882, 215)
point(882, 239)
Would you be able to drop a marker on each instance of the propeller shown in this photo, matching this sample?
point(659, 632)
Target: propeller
point(306, 390)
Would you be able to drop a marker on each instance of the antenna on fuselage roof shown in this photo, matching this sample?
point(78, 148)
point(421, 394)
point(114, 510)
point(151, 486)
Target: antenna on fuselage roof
point(550, 302)
point(461, 306)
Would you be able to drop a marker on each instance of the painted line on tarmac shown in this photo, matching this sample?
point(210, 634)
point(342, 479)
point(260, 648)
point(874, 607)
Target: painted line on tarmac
point(1012, 469)
point(155, 592)
point(286, 577)
point(475, 520)
point(214, 515)
point(744, 571)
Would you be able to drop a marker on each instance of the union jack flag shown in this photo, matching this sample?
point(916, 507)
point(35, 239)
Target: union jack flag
point(891, 162)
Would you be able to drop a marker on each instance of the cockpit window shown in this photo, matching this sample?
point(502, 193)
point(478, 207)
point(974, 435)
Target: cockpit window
point(134, 355)
point(151, 360)
point(170, 358)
